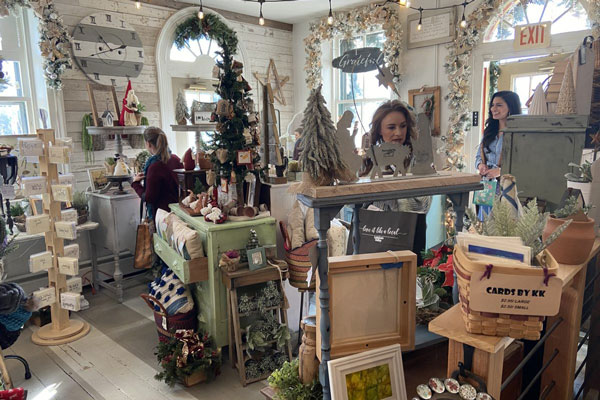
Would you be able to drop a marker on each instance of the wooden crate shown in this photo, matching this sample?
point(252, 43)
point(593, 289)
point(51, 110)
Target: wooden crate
point(188, 271)
point(370, 306)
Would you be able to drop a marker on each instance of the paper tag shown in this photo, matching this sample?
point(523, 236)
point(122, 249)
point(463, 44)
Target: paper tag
point(7, 191)
point(164, 323)
point(37, 224)
point(74, 285)
point(69, 215)
point(59, 154)
point(31, 147)
point(66, 230)
point(515, 294)
point(68, 266)
point(62, 193)
point(64, 142)
point(66, 179)
point(40, 261)
point(71, 250)
point(44, 297)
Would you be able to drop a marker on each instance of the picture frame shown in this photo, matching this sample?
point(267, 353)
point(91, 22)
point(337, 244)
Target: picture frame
point(244, 157)
point(418, 98)
point(97, 177)
point(257, 258)
point(436, 27)
point(96, 117)
point(346, 372)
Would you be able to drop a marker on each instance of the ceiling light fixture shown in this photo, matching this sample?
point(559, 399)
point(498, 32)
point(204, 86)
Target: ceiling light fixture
point(330, 17)
point(261, 19)
point(200, 11)
point(463, 21)
point(420, 24)
point(138, 4)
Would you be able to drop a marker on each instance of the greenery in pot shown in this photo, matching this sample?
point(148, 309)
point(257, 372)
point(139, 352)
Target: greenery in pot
point(17, 212)
point(199, 356)
point(572, 208)
point(80, 204)
point(502, 221)
point(6, 245)
point(583, 172)
point(288, 386)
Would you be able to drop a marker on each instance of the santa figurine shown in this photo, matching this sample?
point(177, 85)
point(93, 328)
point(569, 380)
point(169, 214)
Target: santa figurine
point(130, 107)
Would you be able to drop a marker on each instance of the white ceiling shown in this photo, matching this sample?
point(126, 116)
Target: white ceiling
point(284, 11)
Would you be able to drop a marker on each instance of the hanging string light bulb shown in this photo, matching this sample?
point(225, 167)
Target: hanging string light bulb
point(330, 17)
point(402, 3)
point(407, 3)
point(138, 4)
point(463, 21)
point(200, 11)
point(420, 24)
point(261, 19)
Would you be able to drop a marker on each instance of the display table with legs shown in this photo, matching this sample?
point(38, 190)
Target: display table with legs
point(327, 201)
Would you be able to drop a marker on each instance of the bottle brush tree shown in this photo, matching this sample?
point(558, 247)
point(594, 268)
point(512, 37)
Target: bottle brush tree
point(181, 110)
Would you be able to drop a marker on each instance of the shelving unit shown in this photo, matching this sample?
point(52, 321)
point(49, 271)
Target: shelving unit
point(205, 127)
point(242, 278)
point(118, 131)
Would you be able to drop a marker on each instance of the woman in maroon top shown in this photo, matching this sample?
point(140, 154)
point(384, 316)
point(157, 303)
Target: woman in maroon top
point(160, 186)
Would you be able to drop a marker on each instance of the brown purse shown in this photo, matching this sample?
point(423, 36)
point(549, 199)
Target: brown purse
point(144, 254)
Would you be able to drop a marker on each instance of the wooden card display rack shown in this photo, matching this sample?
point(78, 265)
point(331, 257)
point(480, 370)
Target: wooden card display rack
point(372, 302)
point(62, 329)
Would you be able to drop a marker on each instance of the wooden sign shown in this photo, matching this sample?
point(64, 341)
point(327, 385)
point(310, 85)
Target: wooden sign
point(515, 294)
point(74, 285)
point(70, 301)
point(436, 27)
point(44, 297)
point(71, 250)
point(62, 193)
point(532, 36)
point(68, 266)
point(31, 147)
point(66, 230)
point(33, 185)
point(40, 261)
point(37, 224)
point(359, 60)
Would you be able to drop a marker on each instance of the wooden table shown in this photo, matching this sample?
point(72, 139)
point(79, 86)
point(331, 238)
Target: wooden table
point(488, 355)
point(327, 201)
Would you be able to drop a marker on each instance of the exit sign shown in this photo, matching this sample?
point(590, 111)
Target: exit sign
point(533, 36)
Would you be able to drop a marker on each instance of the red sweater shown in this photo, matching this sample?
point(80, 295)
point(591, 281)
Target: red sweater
point(160, 188)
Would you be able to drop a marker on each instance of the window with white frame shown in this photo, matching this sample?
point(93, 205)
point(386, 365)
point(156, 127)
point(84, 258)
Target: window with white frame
point(360, 92)
point(524, 85)
point(25, 90)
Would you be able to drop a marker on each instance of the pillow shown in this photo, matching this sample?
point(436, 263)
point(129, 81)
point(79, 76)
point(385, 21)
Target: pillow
point(296, 225)
point(161, 222)
point(172, 219)
point(336, 241)
point(172, 293)
point(309, 225)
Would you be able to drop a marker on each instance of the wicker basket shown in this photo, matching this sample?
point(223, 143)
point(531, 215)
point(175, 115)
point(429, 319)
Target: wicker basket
point(172, 323)
point(298, 261)
point(98, 142)
point(493, 324)
point(136, 141)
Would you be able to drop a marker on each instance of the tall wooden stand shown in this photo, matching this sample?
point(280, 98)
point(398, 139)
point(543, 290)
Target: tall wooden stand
point(62, 330)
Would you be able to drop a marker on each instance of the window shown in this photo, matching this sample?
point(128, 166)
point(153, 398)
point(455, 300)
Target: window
point(25, 89)
point(192, 95)
point(362, 88)
point(565, 15)
point(524, 86)
point(193, 49)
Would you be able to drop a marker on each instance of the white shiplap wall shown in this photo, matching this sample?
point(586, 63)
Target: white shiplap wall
point(260, 44)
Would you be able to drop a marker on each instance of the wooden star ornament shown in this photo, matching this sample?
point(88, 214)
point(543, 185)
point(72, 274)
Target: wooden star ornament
point(386, 79)
point(278, 82)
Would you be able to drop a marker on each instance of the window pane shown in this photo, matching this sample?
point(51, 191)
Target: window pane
point(13, 118)
point(350, 82)
point(12, 72)
point(375, 40)
point(372, 88)
point(521, 87)
point(344, 107)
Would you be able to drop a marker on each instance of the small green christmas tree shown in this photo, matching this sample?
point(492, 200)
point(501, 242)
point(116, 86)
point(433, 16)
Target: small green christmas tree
point(253, 241)
point(181, 110)
point(321, 157)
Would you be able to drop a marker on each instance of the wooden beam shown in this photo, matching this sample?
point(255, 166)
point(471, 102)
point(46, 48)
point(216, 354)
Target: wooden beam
point(230, 15)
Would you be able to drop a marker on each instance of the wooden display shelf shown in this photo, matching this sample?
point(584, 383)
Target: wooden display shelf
point(204, 127)
point(188, 271)
point(113, 130)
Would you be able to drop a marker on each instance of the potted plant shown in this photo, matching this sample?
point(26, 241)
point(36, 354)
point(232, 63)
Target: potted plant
point(17, 212)
point(575, 243)
point(6, 246)
point(80, 204)
point(286, 382)
point(581, 179)
point(198, 363)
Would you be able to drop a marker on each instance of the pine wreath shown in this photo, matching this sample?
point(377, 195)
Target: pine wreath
point(211, 27)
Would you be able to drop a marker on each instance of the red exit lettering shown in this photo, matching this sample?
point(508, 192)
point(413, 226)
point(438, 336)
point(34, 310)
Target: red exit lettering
point(532, 35)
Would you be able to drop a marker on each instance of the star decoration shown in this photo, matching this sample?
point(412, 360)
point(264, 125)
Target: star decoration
point(278, 81)
point(596, 139)
point(386, 79)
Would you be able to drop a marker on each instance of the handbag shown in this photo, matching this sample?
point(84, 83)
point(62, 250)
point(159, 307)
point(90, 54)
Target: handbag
point(144, 255)
point(486, 196)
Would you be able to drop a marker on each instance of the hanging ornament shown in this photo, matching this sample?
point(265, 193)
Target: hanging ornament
point(222, 155)
point(222, 108)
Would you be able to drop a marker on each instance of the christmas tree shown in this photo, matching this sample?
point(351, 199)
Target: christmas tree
point(321, 157)
point(181, 110)
point(232, 111)
point(253, 241)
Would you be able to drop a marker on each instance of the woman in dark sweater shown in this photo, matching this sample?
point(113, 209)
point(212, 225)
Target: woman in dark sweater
point(160, 186)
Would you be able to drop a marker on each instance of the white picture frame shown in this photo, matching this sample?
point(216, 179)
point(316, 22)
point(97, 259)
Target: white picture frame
point(97, 177)
point(389, 356)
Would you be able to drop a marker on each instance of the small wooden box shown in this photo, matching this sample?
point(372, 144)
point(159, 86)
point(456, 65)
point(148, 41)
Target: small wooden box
point(370, 306)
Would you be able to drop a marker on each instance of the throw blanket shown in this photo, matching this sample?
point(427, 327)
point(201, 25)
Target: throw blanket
point(11, 297)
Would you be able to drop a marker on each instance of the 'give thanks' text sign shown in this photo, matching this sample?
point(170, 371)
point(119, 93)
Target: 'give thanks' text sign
point(515, 294)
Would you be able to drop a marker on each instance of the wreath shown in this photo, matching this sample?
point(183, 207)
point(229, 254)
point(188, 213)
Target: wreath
point(364, 19)
point(211, 27)
point(54, 37)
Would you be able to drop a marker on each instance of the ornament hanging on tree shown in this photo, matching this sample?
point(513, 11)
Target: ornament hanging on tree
point(321, 157)
point(181, 110)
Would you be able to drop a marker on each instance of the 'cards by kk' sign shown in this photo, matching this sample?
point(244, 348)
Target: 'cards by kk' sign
point(525, 294)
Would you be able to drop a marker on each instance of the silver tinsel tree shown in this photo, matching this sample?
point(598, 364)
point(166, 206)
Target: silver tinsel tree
point(181, 110)
point(321, 156)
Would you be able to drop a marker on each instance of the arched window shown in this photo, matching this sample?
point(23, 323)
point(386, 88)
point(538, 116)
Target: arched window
point(194, 49)
point(565, 15)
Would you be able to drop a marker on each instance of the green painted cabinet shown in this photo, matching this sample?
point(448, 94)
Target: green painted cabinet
point(210, 295)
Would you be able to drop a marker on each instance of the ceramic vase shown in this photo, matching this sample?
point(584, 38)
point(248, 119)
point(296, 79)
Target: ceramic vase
point(573, 246)
point(584, 187)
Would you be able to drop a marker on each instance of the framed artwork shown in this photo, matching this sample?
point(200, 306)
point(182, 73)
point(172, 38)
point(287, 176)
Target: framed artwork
point(427, 101)
point(436, 27)
point(257, 258)
point(375, 374)
point(98, 179)
point(244, 157)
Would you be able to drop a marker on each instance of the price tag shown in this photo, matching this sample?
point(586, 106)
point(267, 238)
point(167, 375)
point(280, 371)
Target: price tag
point(7, 191)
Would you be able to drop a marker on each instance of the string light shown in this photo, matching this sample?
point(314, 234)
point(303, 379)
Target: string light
point(138, 4)
point(200, 11)
point(261, 19)
point(463, 21)
point(402, 3)
point(420, 24)
point(407, 3)
point(330, 17)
